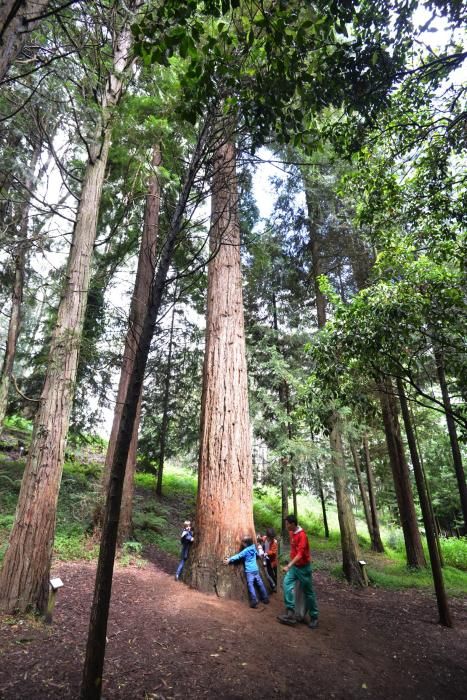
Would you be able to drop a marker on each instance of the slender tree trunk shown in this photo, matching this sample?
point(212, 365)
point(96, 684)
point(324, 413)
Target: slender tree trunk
point(361, 486)
point(95, 649)
point(376, 542)
point(138, 309)
point(456, 453)
point(24, 579)
point(430, 527)
point(14, 324)
point(350, 548)
point(285, 471)
point(349, 542)
point(17, 19)
point(225, 479)
point(284, 497)
point(400, 473)
point(165, 408)
point(323, 501)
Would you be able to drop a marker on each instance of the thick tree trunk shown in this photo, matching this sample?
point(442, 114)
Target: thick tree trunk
point(225, 481)
point(456, 453)
point(14, 324)
point(95, 649)
point(400, 473)
point(17, 19)
point(24, 579)
point(361, 486)
point(430, 527)
point(349, 542)
point(138, 309)
point(165, 407)
point(376, 542)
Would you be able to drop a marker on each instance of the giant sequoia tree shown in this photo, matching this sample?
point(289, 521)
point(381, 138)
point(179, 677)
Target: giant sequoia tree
point(225, 491)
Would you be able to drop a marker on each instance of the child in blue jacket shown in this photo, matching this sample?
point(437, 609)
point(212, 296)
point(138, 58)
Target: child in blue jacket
point(248, 554)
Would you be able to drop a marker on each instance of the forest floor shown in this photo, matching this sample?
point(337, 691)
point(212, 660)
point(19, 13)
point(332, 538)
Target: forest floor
point(166, 640)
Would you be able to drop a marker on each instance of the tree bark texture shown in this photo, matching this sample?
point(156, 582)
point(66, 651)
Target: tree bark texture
point(456, 453)
point(225, 481)
point(430, 526)
point(138, 309)
point(401, 477)
point(376, 542)
point(17, 19)
point(24, 579)
point(95, 648)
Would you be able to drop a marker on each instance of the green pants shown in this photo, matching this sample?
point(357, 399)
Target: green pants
point(304, 575)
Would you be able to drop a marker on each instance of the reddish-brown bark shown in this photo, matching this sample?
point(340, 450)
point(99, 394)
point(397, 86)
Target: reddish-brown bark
point(225, 482)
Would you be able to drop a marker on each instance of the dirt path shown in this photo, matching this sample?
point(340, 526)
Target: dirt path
point(167, 641)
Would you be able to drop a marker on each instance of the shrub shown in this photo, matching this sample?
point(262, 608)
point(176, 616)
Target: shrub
point(455, 552)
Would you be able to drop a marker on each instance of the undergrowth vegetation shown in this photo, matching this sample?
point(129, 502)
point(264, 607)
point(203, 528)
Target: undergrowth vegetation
point(158, 521)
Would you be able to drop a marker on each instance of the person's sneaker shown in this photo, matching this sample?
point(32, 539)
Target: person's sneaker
point(253, 605)
point(289, 618)
point(266, 602)
point(313, 624)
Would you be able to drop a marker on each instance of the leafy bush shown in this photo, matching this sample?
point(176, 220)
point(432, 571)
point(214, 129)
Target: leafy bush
point(18, 423)
point(73, 544)
point(455, 552)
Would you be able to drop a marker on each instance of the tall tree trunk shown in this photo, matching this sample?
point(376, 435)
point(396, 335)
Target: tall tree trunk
point(138, 309)
point(361, 486)
point(24, 579)
point(95, 649)
point(225, 480)
point(350, 548)
point(456, 453)
point(17, 19)
point(14, 324)
point(165, 407)
point(400, 473)
point(349, 542)
point(376, 542)
point(430, 527)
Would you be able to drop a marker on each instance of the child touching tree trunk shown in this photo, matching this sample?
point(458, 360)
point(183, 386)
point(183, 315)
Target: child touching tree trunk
point(248, 555)
point(186, 539)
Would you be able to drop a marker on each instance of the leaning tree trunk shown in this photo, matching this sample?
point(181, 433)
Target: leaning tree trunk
point(376, 542)
point(323, 501)
point(95, 648)
point(428, 521)
point(400, 474)
point(24, 579)
point(18, 285)
point(456, 453)
point(138, 309)
point(225, 481)
point(17, 19)
point(349, 542)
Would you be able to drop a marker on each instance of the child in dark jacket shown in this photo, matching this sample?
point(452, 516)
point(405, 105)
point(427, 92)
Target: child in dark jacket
point(186, 539)
point(248, 555)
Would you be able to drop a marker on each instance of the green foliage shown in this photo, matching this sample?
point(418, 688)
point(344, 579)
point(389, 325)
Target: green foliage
point(455, 552)
point(19, 423)
point(71, 543)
